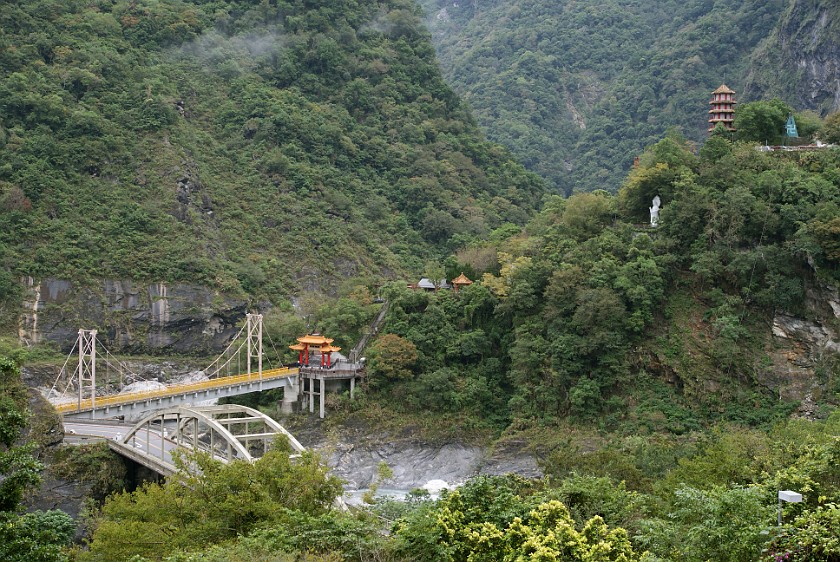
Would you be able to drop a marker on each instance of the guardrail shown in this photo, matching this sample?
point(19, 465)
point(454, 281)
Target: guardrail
point(315, 372)
point(174, 390)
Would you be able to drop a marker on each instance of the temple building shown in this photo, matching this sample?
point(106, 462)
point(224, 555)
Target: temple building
point(318, 373)
point(723, 108)
point(317, 343)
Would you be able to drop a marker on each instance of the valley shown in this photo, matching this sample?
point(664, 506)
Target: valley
point(579, 320)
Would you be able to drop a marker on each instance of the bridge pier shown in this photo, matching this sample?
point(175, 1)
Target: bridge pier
point(321, 392)
point(332, 380)
point(311, 394)
point(291, 394)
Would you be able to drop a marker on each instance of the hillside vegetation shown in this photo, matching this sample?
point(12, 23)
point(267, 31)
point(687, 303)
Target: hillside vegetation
point(576, 89)
point(253, 147)
point(591, 314)
point(265, 148)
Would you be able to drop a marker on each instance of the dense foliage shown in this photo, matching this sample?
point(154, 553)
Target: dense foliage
point(208, 502)
point(694, 511)
point(577, 88)
point(251, 146)
point(593, 315)
point(32, 537)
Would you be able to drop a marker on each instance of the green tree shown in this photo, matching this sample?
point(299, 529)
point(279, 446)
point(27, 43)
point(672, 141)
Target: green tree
point(18, 468)
point(808, 124)
point(831, 129)
point(811, 537)
point(390, 359)
point(716, 524)
point(549, 533)
point(207, 503)
point(645, 183)
point(587, 214)
point(715, 148)
point(762, 121)
point(35, 537)
point(38, 536)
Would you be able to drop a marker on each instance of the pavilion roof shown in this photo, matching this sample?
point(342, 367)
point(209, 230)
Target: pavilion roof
point(462, 280)
point(297, 347)
point(329, 349)
point(314, 339)
point(723, 89)
point(425, 283)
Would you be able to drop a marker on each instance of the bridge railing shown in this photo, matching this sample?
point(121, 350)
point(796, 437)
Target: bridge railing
point(173, 390)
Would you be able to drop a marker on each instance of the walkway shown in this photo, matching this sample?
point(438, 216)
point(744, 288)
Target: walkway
point(133, 405)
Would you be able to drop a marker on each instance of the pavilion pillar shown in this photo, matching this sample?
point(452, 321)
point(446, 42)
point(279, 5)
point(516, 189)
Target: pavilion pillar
point(352, 386)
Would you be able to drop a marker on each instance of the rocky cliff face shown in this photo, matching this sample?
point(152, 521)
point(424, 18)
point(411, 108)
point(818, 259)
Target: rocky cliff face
point(808, 37)
point(804, 352)
point(131, 317)
point(800, 62)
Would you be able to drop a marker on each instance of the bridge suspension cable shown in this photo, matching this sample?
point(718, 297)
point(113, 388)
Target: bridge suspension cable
point(83, 377)
point(249, 340)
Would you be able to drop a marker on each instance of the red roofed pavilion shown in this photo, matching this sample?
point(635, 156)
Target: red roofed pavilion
point(461, 281)
point(316, 342)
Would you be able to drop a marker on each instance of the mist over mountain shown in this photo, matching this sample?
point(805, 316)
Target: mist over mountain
point(252, 148)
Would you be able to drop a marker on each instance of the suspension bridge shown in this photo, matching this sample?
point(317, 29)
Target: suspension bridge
point(172, 417)
point(148, 425)
point(237, 370)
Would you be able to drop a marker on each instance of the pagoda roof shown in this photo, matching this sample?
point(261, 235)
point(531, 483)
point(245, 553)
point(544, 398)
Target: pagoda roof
point(721, 111)
point(723, 102)
point(723, 89)
point(314, 339)
point(462, 280)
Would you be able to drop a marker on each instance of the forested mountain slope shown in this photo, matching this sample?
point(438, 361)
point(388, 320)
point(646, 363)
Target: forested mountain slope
point(236, 145)
point(578, 88)
point(729, 308)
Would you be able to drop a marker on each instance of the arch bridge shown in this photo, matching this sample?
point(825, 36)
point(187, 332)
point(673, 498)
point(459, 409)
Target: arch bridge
point(228, 432)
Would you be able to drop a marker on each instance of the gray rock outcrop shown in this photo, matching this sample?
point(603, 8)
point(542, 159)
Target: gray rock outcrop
point(131, 317)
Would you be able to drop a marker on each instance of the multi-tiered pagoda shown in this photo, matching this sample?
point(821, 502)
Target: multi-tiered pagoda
point(723, 108)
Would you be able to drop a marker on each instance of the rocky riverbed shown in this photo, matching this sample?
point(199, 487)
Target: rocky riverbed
point(354, 454)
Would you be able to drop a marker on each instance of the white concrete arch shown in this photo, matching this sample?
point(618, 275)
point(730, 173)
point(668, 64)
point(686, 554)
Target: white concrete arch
point(228, 432)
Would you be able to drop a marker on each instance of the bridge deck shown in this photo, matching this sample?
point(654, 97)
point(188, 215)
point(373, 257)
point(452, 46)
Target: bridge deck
point(173, 390)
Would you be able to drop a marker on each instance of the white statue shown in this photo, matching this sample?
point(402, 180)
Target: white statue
point(654, 211)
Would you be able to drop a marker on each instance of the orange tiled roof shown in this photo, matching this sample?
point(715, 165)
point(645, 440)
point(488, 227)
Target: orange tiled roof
point(314, 339)
point(462, 280)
